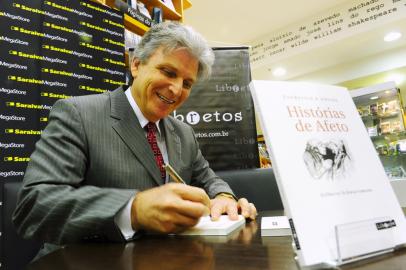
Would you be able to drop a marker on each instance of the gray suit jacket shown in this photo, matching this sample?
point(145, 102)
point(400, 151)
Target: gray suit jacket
point(92, 158)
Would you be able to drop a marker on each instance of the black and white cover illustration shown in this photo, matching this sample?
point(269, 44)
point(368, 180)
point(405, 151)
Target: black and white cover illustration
point(328, 159)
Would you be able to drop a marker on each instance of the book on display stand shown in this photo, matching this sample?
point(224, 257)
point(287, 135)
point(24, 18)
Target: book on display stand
point(336, 195)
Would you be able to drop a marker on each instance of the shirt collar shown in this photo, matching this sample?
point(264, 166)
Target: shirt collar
point(141, 118)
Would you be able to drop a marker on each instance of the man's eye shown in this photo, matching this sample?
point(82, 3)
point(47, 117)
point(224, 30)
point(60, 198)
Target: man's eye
point(187, 85)
point(168, 73)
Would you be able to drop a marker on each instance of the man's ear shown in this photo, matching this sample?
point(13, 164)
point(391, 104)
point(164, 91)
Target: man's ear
point(135, 62)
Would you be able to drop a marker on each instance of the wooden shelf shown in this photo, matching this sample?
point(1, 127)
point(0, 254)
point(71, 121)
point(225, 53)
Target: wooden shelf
point(169, 13)
point(186, 4)
point(135, 26)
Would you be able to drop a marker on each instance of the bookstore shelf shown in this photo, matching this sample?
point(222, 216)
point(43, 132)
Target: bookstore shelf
point(381, 110)
point(168, 13)
point(140, 28)
point(135, 26)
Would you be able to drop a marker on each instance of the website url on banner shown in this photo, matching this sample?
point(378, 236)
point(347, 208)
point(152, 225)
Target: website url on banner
point(221, 133)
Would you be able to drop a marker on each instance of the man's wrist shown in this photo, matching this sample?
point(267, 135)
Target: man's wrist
point(123, 220)
point(226, 195)
point(134, 220)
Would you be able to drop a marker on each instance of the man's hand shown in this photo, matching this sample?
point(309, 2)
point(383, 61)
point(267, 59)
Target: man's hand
point(169, 208)
point(225, 205)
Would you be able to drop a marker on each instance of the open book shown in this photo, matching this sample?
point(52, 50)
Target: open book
point(336, 195)
point(223, 226)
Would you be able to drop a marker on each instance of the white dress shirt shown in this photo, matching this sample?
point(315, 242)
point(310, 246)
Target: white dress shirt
point(123, 217)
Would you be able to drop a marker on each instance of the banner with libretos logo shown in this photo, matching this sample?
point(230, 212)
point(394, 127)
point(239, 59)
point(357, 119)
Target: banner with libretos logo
point(221, 113)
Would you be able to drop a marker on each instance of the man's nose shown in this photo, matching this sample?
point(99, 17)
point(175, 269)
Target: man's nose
point(176, 86)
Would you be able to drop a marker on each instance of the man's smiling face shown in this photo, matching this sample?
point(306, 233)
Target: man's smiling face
point(164, 82)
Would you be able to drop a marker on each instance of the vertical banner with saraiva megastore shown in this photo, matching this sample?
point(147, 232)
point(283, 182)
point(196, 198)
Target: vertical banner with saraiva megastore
point(221, 112)
point(50, 50)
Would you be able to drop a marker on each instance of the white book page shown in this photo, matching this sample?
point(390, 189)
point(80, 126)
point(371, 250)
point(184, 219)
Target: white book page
point(223, 226)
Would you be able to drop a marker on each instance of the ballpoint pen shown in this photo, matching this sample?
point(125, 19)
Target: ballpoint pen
point(175, 176)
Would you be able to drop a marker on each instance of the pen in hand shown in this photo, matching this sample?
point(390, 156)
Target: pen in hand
point(175, 176)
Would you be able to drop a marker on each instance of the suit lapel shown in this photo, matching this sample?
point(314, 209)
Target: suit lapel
point(130, 131)
point(173, 144)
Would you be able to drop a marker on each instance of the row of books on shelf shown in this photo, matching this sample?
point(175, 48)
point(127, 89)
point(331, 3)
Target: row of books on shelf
point(138, 11)
point(138, 4)
point(379, 109)
point(392, 148)
point(130, 40)
point(385, 127)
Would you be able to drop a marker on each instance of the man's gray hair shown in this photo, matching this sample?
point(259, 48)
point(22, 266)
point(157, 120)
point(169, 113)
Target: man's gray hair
point(172, 35)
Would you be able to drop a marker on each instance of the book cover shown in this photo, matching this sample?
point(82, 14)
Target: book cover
point(275, 226)
point(335, 192)
point(223, 226)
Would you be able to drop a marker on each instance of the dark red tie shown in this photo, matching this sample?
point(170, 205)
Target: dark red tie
point(151, 130)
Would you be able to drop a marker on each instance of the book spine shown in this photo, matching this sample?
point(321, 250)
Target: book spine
point(294, 235)
point(157, 15)
point(133, 13)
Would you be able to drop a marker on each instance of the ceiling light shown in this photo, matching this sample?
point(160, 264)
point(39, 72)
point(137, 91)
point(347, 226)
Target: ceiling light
point(392, 36)
point(374, 97)
point(279, 72)
point(397, 78)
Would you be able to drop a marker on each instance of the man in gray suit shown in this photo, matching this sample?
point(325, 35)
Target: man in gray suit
point(93, 175)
